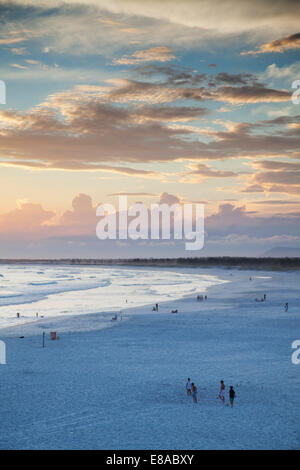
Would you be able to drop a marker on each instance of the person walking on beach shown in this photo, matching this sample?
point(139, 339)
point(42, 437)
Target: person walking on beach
point(188, 387)
point(222, 391)
point(194, 393)
point(231, 395)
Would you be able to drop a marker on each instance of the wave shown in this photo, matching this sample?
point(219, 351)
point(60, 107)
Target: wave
point(42, 283)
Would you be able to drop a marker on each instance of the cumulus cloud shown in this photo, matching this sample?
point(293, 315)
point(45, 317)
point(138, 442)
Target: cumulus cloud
point(274, 72)
point(166, 198)
point(237, 220)
point(27, 218)
point(44, 233)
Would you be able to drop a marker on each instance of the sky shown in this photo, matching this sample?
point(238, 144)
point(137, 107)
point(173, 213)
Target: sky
point(187, 101)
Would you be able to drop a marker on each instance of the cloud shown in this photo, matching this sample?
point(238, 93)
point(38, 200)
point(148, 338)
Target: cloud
point(155, 54)
point(128, 193)
point(80, 220)
point(169, 199)
point(79, 26)
point(201, 172)
point(278, 177)
point(236, 16)
point(252, 188)
point(7, 41)
point(276, 165)
point(281, 176)
point(172, 75)
point(19, 50)
point(131, 90)
point(27, 218)
point(18, 66)
point(275, 202)
point(33, 231)
point(237, 220)
point(288, 73)
point(252, 94)
point(53, 134)
point(278, 45)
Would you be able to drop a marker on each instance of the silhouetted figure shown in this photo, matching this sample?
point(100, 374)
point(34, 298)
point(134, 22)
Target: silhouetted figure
point(194, 393)
point(231, 396)
point(188, 387)
point(222, 391)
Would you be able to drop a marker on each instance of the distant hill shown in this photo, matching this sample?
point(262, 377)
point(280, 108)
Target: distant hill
point(282, 252)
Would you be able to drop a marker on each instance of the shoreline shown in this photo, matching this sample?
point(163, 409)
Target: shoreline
point(219, 297)
point(107, 311)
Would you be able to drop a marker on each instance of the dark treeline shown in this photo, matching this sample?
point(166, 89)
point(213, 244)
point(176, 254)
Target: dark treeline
point(222, 261)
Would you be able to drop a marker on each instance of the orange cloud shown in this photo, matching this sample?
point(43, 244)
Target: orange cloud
point(155, 54)
point(279, 45)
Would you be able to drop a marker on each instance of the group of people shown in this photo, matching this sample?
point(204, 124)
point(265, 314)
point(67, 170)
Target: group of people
point(191, 390)
point(263, 299)
point(201, 297)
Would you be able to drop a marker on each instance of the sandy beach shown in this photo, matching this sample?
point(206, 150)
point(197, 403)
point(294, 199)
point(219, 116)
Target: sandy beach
point(121, 384)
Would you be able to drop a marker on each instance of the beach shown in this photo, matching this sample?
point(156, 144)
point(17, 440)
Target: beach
point(121, 384)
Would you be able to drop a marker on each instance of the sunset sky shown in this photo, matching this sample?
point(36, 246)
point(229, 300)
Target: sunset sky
point(187, 101)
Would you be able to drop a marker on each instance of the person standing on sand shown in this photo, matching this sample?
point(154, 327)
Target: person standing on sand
point(222, 391)
point(188, 387)
point(231, 396)
point(194, 393)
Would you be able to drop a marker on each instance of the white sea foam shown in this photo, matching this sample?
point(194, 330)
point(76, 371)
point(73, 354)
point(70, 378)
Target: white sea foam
point(68, 290)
